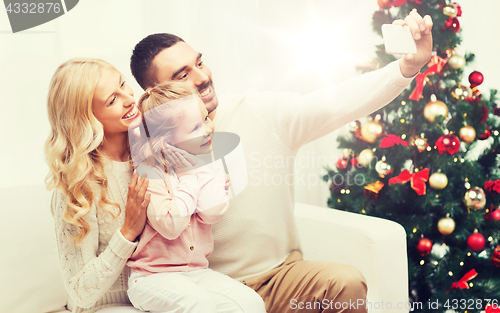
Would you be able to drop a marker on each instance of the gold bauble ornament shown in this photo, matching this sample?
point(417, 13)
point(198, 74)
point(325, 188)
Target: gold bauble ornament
point(446, 225)
point(435, 108)
point(467, 134)
point(475, 198)
point(450, 10)
point(438, 180)
point(371, 130)
point(456, 62)
point(459, 92)
point(365, 157)
point(419, 142)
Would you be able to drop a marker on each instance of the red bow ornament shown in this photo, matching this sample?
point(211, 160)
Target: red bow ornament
point(492, 185)
point(434, 66)
point(392, 140)
point(459, 9)
point(484, 112)
point(417, 179)
point(462, 283)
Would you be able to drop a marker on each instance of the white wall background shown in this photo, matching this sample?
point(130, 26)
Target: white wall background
point(269, 45)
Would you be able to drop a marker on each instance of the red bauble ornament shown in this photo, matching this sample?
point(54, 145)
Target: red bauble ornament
point(475, 79)
point(424, 246)
point(476, 241)
point(346, 163)
point(384, 4)
point(343, 164)
point(493, 215)
point(484, 135)
point(452, 24)
point(449, 143)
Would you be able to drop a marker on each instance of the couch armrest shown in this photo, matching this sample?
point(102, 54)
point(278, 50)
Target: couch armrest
point(31, 262)
point(377, 247)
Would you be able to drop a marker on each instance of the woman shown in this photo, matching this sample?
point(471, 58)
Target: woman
point(97, 218)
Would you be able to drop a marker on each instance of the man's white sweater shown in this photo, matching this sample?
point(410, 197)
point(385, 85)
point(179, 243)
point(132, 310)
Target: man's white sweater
point(258, 231)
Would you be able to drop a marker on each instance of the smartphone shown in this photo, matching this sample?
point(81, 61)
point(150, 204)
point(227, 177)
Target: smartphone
point(398, 39)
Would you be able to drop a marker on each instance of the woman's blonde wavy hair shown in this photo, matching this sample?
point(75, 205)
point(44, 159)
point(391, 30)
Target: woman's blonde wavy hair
point(162, 122)
point(72, 151)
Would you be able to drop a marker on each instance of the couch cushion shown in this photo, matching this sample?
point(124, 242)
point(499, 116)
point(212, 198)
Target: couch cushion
point(29, 266)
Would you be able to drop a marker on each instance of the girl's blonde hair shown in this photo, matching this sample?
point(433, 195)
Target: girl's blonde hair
point(160, 124)
point(72, 151)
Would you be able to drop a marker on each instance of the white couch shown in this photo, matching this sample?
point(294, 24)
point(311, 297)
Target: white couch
point(31, 281)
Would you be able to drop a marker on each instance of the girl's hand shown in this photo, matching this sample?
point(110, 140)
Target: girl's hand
point(181, 160)
point(185, 168)
point(187, 156)
point(136, 208)
point(171, 157)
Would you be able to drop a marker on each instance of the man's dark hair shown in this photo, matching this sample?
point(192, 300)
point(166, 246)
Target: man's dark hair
point(141, 61)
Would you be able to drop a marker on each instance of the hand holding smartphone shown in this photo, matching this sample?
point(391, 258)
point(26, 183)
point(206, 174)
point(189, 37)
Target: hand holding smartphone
point(398, 39)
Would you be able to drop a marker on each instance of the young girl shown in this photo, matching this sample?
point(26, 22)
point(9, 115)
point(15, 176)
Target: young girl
point(169, 267)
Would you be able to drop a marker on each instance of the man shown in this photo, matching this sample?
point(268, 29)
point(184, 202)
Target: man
point(256, 241)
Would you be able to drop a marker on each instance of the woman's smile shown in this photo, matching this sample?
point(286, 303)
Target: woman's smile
point(132, 113)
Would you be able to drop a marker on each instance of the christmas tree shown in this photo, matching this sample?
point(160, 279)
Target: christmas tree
point(429, 161)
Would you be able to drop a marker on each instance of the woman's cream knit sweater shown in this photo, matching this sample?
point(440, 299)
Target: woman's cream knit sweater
point(94, 273)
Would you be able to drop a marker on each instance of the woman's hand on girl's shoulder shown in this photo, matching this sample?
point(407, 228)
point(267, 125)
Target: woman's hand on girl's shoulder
point(136, 207)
